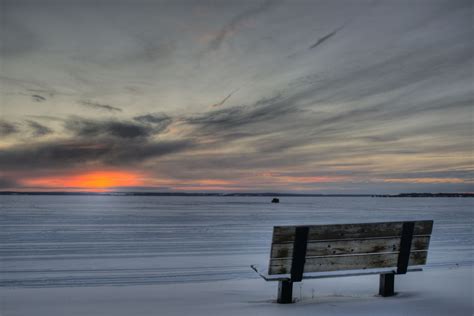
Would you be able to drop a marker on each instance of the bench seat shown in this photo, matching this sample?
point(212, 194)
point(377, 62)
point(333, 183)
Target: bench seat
point(341, 250)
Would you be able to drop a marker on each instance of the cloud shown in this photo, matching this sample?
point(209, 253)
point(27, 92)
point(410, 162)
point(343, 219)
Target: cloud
point(91, 142)
point(158, 122)
point(27, 128)
point(38, 129)
point(235, 23)
point(38, 98)
point(262, 111)
point(82, 127)
point(143, 126)
point(96, 142)
point(51, 93)
point(325, 37)
point(224, 100)
point(7, 128)
point(75, 153)
point(35, 97)
point(98, 106)
point(460, 173)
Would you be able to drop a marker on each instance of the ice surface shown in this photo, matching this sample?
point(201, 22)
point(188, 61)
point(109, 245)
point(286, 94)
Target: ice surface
point(122, 240)
point(67, 255)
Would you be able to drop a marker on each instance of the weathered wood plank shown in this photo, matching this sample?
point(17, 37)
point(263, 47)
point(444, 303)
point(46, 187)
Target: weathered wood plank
point(354, 246)
point(350, 231)
point(347, 262)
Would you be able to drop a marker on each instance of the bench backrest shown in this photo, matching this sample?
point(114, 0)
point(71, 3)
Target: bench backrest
point(321, 248)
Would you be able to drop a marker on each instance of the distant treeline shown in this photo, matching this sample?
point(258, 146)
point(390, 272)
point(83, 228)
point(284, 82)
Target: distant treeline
point(401, 195)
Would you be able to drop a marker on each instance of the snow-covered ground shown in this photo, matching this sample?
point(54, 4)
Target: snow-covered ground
point(67, 255)
point(444, 292)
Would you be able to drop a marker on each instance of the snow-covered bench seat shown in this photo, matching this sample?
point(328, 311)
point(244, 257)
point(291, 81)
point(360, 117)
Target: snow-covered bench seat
point(322, 251)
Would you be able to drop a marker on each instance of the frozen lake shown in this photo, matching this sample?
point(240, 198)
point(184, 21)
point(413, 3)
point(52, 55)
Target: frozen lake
point(51, 241)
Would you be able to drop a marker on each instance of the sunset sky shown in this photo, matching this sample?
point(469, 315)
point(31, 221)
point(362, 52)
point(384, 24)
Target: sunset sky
point(289, 96)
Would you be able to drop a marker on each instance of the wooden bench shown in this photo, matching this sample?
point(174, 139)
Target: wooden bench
point(322, 251)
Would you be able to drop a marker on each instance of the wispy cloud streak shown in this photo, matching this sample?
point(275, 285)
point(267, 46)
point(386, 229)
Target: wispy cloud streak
point(235, 23)
point(224, 100)
point(326, 37)
point(98, 106)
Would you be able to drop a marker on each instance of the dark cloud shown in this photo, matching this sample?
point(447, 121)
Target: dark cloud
point(153, 118)
point(107, 128)
point(27, 128)
point(326, 37)
point(157, 122)
point(98, 106)
point(7, 128)
point(143, 126)
point(82, 153)
point(38, 129)
point(38, 98)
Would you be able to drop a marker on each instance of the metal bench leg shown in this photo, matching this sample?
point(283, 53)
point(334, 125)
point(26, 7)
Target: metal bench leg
point(387, 284)
point(285, 292)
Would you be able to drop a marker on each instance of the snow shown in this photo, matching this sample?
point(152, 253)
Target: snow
point(120, 255)
point(433, 292)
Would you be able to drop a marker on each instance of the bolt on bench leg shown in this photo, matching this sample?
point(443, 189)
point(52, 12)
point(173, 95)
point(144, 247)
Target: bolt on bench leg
point(387, 284)
point(285, 292)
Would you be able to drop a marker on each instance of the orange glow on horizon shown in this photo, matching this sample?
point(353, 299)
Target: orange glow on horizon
point(320, 179)
point(204, 188)
point(96, 180)
point(106, 180)
point(213, 182)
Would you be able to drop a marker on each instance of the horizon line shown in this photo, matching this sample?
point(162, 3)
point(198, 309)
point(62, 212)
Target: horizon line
point(266, 194)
